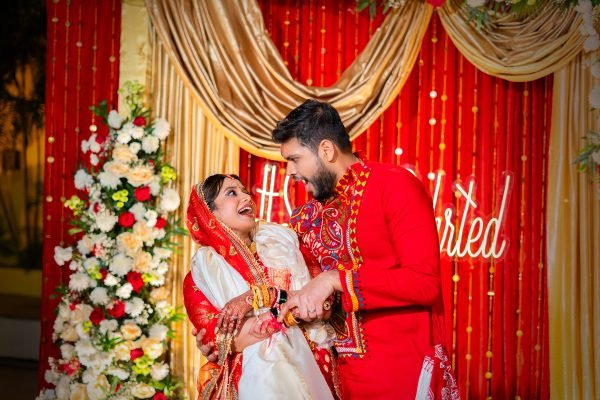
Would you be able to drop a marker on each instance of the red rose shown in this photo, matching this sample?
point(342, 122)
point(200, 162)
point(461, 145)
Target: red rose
point(70, 367)
point(126, 219)
point(159, 396)
point(136, 353)
point(96, 207)
point(117, 310)
point(72, 306)
point(142, 193)
point(103, 272)
point(139, 121)
point(135, 278)
point(97, 316)
point(101, 138)
point(160, 223)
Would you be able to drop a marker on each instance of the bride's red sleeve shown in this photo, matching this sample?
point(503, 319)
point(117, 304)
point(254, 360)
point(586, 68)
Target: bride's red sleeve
point(200, 311)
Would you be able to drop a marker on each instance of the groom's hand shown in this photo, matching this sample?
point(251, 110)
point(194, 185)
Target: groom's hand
point(310, 299)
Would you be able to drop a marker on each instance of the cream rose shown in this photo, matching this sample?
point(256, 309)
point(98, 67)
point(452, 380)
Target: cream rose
point(123, 154)
point(142, 262)
point(69, 334)
point(143, 391)
point(159, 294)
point(129, 243)
point(140, 175)
point(130, 331)
point(153, 348)
point(81, 313)
point(143, 231)
point(78, 392)
point(116, 168)
point(122, 351)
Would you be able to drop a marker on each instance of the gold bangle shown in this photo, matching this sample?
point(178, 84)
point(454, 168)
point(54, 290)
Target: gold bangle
point(256, 298)
point(266, 295)
point(290, 320)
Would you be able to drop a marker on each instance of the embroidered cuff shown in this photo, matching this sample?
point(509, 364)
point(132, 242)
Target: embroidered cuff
point(351, 298)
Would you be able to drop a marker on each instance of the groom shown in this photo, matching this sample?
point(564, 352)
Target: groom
point(371, 228)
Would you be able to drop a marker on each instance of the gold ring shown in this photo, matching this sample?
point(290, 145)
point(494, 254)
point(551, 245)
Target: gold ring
point(326, 306)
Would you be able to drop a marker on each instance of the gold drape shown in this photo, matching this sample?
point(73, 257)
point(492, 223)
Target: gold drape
point(223, 53)
point(196, 148)
point(573, 226)
point(515, 50)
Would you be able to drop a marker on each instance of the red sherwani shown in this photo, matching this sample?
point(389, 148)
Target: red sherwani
point(379, 232)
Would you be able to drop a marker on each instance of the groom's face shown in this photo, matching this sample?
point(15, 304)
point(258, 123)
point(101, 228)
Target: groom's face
point(305, 165)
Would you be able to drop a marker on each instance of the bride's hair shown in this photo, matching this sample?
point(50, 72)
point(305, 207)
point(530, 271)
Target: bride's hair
point(211, 187)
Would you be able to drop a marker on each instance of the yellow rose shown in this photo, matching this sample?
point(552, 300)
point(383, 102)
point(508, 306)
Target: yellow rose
point(121, 153)
point(153, 348)
point(142, 262)
point(143, 391)
point(140, 175)
point(143, 231)
point(69, 334)
point(159, 294)
point(129, 243)
point(116, 168)
point(122, 351)
point(130, 331)
point(78, 392)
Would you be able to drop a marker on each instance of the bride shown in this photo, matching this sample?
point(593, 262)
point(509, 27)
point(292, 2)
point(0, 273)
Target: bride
point(239, 277)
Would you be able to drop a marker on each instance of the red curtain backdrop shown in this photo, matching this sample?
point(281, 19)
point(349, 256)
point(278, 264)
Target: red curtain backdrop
point(82, 69)
point(450, 117)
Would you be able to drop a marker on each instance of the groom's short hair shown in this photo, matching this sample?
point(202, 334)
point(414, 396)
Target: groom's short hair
point(310, 123)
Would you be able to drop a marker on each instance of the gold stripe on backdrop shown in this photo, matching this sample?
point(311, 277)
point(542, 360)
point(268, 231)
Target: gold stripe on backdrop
point(573, 250)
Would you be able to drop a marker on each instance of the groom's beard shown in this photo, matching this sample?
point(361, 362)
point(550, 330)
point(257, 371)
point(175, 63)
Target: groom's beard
point(323, 183)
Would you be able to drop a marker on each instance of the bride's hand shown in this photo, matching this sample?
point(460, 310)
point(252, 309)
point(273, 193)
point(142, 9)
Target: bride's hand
point(232, 313)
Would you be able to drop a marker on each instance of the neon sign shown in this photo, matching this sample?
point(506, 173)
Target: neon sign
point(463, 230)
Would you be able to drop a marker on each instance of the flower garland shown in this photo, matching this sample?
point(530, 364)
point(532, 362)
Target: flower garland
point(114, 319)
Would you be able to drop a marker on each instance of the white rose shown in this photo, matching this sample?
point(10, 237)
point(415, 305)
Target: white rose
point(99, 296)
point(595, 97)
point(85, 245)
point(81, 313)
point(475, 3)
point(169, 201)
point(124, 291)
point(106, 221)
point(120, 265)
point(159, 371)
point(114, 119)
point(79, 281)
point(97, 389)
point(110, 280)
point(84, 347)
point(150, 144)
point(155, 186)
point(137, 132)
point(118, 372)
point(161, 128)
point(62, 255)
point(124, 137)
point(94, 160)
point(63, 388)
point(94, 145)
point(51, 376)
point(67, 351)
point(162, 253)
point(116, 168)
point(69, 334)
point(151, 217)
point(83, 180)
point(85, 146)
point(142, 391)
point(108, 325)
point(134, 307)
point(135, 147)
point(138, 210)
point(591, 43)
point(158, 332)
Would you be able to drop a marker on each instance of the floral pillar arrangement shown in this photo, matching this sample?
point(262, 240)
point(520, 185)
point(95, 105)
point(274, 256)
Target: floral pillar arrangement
point(114, 321)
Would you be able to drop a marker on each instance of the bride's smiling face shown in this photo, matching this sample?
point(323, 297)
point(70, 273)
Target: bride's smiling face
point(234, 206)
